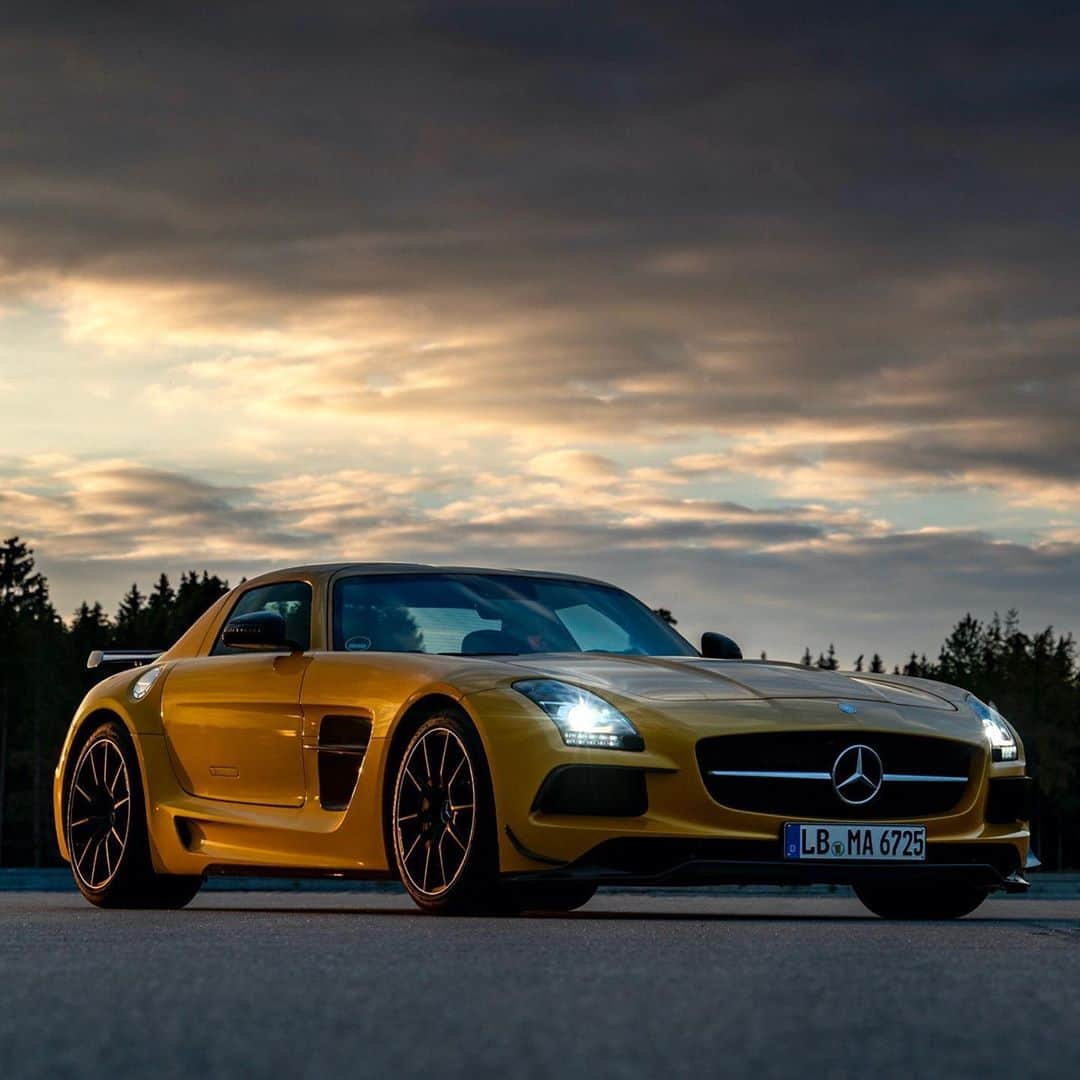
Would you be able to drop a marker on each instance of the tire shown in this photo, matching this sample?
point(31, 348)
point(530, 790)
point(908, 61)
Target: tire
point(553, 896)
point(105, 827)
point(931, 902)
point(442, 823)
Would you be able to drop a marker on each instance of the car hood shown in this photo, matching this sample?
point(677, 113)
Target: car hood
point(653, 678)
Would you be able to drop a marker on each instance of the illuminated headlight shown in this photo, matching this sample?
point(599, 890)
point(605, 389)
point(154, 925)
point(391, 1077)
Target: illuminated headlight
point(1002, 739)
point(141, 687)
point(583, 718)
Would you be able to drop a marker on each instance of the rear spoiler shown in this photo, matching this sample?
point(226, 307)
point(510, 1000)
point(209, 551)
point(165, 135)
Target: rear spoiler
point(123, 657)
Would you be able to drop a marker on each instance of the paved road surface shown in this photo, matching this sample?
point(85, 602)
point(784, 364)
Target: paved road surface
point(323, 985)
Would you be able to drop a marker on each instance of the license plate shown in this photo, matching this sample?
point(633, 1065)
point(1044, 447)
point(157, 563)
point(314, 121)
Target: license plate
point(896, 843)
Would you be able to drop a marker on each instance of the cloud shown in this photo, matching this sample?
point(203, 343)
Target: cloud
point(633, 228)
point(574, 466)
point(700, 293)
point(779, 578)
point(119, 510)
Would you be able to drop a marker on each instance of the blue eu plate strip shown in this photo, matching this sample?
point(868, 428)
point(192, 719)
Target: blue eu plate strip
point(792, 836)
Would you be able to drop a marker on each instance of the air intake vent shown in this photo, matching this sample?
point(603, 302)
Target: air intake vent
point(593, 790)
point(343, 742)
point(1009, 800)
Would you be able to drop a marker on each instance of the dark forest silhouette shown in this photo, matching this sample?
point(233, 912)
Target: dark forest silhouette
point(1033, 679)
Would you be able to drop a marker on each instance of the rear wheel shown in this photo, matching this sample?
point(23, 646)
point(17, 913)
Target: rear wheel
point(930, 902)
point(106, 829)
point(443, 821)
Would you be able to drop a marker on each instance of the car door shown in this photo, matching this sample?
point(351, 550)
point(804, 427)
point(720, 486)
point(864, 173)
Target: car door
point(233, 720)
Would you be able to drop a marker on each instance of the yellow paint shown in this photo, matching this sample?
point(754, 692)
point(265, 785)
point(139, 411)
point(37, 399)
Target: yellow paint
point(259, 714)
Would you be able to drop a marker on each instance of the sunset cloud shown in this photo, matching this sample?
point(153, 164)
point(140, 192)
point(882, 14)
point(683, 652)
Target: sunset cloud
point(102, 526)
point(718, 299)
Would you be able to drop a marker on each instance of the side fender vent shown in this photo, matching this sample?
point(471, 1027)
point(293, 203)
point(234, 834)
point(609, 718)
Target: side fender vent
point(343, 742)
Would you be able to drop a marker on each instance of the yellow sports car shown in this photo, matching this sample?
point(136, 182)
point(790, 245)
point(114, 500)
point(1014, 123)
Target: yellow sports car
point(505, 741)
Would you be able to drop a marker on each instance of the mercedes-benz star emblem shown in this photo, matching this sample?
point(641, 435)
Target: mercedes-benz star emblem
point(857, 774)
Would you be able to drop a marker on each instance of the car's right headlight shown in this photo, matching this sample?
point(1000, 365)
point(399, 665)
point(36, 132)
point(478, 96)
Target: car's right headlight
point(582, 717)
point(1002, 738)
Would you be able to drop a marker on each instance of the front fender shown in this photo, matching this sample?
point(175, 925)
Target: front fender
point(110, 699)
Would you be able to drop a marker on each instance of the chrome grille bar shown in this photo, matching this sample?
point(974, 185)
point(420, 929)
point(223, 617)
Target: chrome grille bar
point(916, 778)
point(770, 775)
point(893, 778)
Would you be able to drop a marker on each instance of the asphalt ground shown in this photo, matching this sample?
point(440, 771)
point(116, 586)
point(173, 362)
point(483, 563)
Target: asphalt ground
point(359, 984)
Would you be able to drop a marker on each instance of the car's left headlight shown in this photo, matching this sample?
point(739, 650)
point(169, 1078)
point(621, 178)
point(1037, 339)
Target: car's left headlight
point(1002, 737)
point(582, 717)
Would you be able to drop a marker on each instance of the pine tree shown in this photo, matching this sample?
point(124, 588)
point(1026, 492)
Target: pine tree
point(877, 665)
point(960, 660)
point(90, 628)
point(160, 614)
point(993, 648)
point(23, 591)
point(32, 636)
point(807, 659)
point(131, 619)
point(829, 661)
point(858, 662)
point(193, 597)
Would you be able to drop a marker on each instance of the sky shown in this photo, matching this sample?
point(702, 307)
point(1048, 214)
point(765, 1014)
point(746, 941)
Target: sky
point(769, 313)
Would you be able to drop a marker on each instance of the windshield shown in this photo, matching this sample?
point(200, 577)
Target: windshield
point(494, 615)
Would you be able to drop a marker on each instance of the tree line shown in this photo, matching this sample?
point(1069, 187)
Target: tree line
point(1034, 680)
point(43, 677)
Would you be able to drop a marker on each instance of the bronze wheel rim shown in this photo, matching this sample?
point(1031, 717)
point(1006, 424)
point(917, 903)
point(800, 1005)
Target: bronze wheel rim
point(435, 812)
point(99, 814)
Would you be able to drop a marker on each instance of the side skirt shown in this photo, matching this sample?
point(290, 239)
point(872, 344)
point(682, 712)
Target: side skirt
point(245, 870)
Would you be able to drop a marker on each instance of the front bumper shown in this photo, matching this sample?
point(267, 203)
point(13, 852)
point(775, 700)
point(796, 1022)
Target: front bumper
point(684, 836)
point(678, 862)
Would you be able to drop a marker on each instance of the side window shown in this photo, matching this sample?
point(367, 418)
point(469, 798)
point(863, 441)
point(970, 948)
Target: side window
point(291, 599)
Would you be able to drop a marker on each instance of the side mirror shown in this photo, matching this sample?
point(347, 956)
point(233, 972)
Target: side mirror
point(258, 630)
point(719, 647)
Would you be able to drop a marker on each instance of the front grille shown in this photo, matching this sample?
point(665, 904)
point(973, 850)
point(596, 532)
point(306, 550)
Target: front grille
point(815, 753)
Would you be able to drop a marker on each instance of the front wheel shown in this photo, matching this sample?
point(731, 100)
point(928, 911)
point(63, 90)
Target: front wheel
point(929, 902)
point(443, 821)
point(106, 829)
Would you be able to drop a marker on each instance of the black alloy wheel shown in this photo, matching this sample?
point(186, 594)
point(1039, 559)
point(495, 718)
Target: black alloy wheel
point(99, 813)
point(443, 820)
point(105, 826)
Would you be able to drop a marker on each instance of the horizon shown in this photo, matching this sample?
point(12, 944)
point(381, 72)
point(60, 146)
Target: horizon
point(817, 651)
